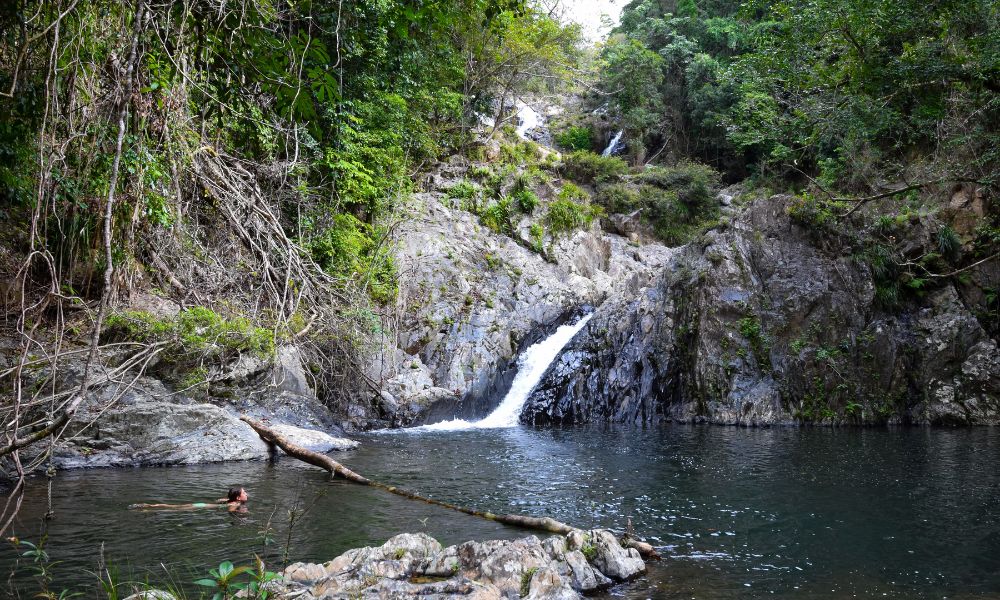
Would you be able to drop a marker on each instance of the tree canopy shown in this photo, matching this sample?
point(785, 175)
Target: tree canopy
point(852, 91)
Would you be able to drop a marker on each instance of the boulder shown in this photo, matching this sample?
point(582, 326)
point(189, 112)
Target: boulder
point(289, 374)
point(416, 566)
point(612, 560)
point(150, 425)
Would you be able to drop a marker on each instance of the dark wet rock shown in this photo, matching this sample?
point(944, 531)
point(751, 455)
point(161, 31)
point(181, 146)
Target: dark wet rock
point(416, 566)
point(754, 324)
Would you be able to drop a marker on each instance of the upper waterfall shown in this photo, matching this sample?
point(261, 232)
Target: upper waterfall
point(527, 119)
point(615, 142)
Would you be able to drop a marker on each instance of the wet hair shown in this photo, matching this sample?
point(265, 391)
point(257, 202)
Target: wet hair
point(234, 494)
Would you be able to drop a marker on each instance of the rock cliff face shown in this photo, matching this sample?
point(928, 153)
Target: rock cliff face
point(471, 299)
point(756, 325)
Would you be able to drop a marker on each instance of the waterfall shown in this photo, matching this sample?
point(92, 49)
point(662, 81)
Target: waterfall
point(614, 145)
point(527, 119)
point(531, 365)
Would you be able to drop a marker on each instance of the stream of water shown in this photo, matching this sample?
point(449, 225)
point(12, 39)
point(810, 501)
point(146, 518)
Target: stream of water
point(527, 119)
point(614, 145)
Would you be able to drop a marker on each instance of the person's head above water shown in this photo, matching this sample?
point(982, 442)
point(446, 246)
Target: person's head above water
point(237, 494)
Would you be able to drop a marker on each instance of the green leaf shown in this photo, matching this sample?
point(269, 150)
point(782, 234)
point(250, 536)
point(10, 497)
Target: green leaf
point(225, 569)
point(206, 583)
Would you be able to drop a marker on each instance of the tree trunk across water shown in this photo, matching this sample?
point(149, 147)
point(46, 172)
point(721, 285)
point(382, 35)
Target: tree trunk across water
point(325, 462)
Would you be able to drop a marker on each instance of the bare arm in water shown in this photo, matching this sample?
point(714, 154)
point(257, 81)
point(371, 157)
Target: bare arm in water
point(179, 506)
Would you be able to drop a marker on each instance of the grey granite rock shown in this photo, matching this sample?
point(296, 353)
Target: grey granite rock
point(471, 299)
point(416, 566)
point(757, 324)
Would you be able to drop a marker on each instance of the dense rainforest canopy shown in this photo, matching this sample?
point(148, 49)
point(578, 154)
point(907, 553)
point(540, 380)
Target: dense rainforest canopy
point(844, 102)
point(341, 101)
point(855, 93)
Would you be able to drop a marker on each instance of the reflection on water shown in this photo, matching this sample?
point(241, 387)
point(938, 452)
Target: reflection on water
point(739, 513)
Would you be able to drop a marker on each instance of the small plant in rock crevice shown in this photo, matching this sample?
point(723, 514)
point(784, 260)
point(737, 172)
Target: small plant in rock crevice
point(537, 235)
point(565, 214)
point(526, 200)
point(526, 578)
point(751, 329)
point(588, 167)
point(496, 217)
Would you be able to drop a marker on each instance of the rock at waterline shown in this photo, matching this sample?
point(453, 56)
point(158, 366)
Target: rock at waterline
point(416, 566)
point(152, 595)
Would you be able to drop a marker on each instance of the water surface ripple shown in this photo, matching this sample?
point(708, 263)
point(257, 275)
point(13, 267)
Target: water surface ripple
point(739, 513)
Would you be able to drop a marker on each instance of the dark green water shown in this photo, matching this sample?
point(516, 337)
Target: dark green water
point(739, 513)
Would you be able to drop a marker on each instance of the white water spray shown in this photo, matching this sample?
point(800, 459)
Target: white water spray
point(527, 119)
point(531, 365)
point(613, 146)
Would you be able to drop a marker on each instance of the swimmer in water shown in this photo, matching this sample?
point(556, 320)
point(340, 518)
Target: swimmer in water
point(235, 501)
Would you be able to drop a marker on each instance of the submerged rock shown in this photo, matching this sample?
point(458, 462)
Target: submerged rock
point(416, 566)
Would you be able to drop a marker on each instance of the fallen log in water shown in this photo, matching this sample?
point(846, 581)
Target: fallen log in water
point(325, 462)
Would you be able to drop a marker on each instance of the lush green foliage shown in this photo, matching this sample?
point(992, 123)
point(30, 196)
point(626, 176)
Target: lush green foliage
point(527, 200)
point(575, 137)
point(588, 167)
point(331, 106)
point(497, 215)
point(571, 211)
point(229, 581)
point(832, 87)
point(350, 248)
point(195, 331)
point(677, 202)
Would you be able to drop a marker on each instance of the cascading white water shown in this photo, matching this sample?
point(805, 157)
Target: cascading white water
point(527, 119)
point(613, 146)
point(531, 365)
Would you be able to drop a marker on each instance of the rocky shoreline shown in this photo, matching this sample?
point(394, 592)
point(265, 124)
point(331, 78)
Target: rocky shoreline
point(415, 565)
point(149, 423)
